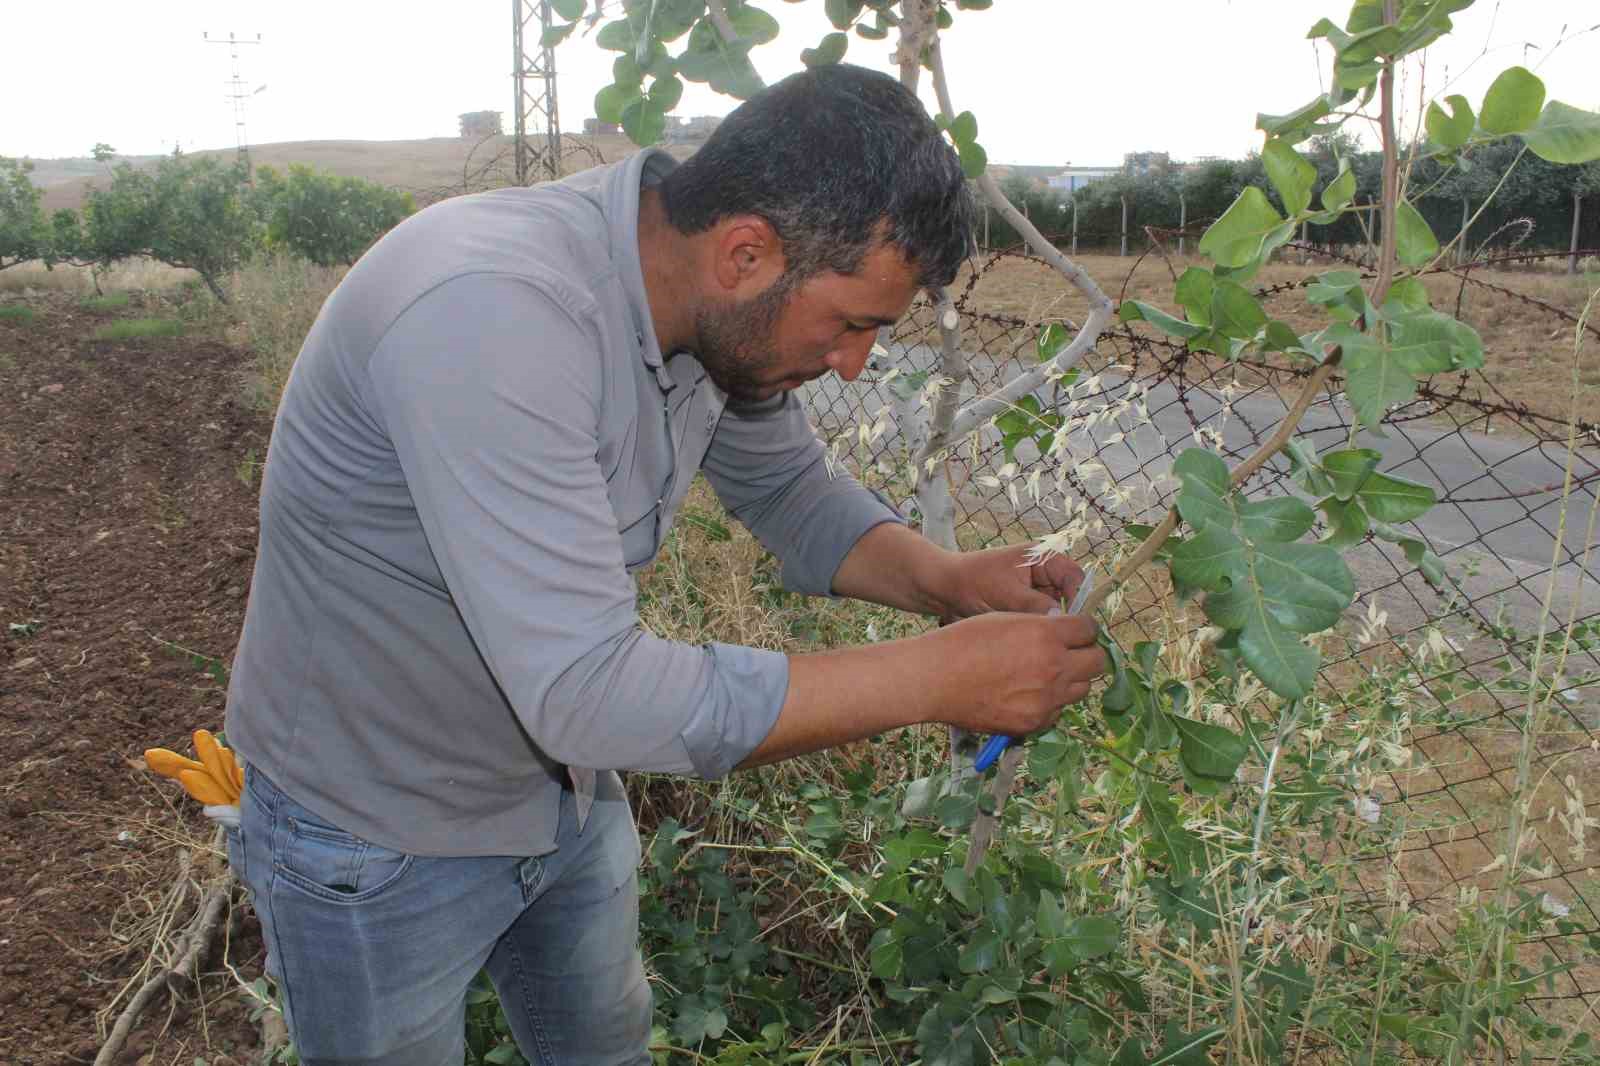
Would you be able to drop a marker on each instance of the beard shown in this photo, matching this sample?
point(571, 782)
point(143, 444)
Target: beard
point(734, 344)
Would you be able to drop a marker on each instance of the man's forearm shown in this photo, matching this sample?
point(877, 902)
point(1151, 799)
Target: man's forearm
point(896, 567)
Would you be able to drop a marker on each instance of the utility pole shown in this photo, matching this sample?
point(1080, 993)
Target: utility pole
point(533, 76)
point(236, 93)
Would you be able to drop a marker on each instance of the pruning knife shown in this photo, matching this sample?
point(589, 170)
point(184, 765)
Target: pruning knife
point(1000, 742)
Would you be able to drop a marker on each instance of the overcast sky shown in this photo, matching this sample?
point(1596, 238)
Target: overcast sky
point(1051, 81)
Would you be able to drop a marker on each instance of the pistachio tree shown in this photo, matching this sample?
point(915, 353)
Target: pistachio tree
point(1266, 576)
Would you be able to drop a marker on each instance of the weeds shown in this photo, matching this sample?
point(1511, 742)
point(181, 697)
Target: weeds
point(136, 329)
point(114, 301)
point(275, 301)
point(21, 314)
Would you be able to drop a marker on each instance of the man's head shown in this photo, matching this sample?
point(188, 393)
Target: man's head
point(827, 201)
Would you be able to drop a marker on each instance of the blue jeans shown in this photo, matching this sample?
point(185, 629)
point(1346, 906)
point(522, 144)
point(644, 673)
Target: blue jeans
point(372, 949)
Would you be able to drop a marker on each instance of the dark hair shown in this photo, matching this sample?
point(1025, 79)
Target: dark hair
point(837, 159)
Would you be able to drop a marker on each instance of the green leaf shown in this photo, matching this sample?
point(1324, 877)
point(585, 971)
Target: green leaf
point(981, 952)
point(958, 883)
point(1137, 310)
point(1374, 379)
point(906, 848)
point(1092, 936)
point(1204, 467)
point(554, 35)
point(1341, 190)
point(754, 25)
point(1565, 134)
point(1393, 499)
point(1415, 243)
point(1349, 469)
point(666, 92)
point(1278, 518)
point(1294, 125)
point(842, 12)
point(610, 101)
point(1050, 919)
point(1277, 657)
point(1513, 102)
point(885, 954)
point(974, 160)
point(1045, 754)
point(1237, 238)
point(1193, 293)
point(964, 128)
point(1306, 470)
point(615, 36)
point(1408, 295)
point(569, 9)
point(871, 33)
point(1347, 522)
point(1291, 174)
point(829, 50)
point(1168, 837)
point(1051, 340)
point(1281, 337)
point(1303, 587)
point(1209, 750)
point(1454, 129)
point(1118, 696)
point(1234, 312)
point(644, 121)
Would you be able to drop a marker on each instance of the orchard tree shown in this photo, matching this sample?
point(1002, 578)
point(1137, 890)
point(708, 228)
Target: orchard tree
point(190, 212)
point(24, 234)
point(328, 219)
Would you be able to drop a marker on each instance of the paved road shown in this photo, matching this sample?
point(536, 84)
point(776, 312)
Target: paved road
point(1500, 548)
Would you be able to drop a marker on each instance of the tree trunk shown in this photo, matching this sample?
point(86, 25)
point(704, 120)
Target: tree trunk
point(216, 290)
point(1183, 221)
point(1074, 222)
point(1577, 219)
point(1124, 226)
point(986, 245)
point(1466, 220)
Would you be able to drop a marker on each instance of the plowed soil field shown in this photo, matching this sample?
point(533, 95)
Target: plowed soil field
point(127, 534)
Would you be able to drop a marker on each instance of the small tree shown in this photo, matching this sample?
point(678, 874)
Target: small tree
point(23, 232)
point(190, 213)
point(326, 218)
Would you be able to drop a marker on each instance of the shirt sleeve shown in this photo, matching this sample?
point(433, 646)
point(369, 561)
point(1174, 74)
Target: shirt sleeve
point(770, 471)
point(491, 395)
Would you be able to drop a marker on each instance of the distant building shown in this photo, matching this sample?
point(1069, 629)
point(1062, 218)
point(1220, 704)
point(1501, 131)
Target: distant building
point(1072, 179)
point(689, 130)
point(476, 125)
point(593, 127)
point(1138, 164)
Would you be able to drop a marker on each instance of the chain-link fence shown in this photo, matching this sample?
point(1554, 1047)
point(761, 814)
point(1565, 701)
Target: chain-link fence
point(1513, 527)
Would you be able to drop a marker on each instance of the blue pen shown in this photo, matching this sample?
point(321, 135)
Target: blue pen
point(1000, 742)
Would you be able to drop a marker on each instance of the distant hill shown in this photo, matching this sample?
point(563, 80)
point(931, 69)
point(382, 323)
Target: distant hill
point(429, 169)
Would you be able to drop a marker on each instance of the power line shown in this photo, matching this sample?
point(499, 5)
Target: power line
point(236, 92)
point(533, 76)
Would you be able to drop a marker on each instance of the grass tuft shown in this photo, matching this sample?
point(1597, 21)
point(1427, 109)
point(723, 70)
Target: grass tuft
point(114, 301)
point(134, 329)
point(21, 314)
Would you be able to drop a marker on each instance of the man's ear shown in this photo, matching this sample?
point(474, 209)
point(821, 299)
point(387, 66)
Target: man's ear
point(747, 255)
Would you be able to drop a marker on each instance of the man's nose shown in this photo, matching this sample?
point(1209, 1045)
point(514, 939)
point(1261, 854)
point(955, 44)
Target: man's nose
point(848, 361)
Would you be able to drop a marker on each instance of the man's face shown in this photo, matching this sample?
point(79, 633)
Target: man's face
point(775, 341)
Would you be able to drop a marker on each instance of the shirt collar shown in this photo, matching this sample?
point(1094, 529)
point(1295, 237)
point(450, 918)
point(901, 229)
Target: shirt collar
point(647, 166)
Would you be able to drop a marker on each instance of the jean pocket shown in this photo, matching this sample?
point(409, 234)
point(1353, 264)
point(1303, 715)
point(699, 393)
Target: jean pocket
point(324, 861)
point(234, 839)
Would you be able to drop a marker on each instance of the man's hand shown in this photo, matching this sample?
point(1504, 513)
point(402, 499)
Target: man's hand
point(1011, 673)
point(1003, 579)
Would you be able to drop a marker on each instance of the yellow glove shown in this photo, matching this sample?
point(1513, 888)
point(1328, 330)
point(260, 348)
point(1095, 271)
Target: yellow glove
point(216, 780)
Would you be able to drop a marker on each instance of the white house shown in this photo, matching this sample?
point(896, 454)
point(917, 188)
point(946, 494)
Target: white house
point(1074, 178)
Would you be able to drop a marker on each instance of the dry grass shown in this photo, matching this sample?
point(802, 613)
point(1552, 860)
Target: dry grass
point(423, 167)
point(130, 275)
point(1525, 344)
point(275, 301)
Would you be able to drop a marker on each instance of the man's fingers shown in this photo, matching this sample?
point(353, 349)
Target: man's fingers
point(1076, 630)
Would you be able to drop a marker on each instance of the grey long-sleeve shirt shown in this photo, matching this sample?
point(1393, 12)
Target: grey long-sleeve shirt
point(479, 441)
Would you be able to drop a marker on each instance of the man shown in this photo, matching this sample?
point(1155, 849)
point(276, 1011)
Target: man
point(492, 422)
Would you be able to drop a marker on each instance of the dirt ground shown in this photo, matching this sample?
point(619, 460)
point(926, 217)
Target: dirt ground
point(127, 534)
